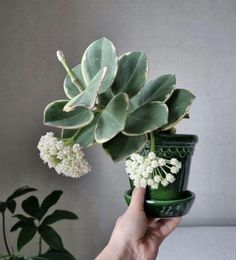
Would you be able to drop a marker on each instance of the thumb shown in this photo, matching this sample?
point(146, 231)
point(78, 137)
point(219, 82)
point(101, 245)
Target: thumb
point(137, 200)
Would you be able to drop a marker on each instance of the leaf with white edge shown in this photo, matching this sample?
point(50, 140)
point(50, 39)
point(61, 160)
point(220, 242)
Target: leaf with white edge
point(56, 117)
point(100, 54)
point(146, 118)
point(112, 119)
point(134, 103)
point(132, 73)
point(88, 97)
point(121, 146)
point(159, 89)
point(178, 104)
point(86, 135)
point(70, 89)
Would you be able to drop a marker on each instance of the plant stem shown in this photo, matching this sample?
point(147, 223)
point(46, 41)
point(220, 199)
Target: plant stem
point(40, 245)
point(152, 146)
point(4, 233)
point(76, 135)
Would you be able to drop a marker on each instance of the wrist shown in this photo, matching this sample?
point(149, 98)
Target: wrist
point(117, 251)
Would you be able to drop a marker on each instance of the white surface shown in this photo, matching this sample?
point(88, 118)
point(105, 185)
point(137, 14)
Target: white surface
point(200, 243)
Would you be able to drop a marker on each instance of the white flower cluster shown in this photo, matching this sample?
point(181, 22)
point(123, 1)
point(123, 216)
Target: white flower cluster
point(151, 170)
point(67, 159)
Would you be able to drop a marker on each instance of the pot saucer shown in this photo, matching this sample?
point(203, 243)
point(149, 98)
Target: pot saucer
point(175, 204)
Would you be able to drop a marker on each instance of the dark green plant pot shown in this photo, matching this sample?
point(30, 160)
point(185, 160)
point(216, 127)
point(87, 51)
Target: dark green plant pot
point(178, 204)
point(181, 147)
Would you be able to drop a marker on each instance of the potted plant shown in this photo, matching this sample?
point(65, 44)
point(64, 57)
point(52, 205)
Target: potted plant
point(110, 102)
point(35, 223)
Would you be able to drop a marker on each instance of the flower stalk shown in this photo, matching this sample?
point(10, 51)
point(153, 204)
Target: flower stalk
point(76, 81)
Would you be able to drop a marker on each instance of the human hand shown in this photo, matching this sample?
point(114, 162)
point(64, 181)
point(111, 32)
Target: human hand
point(135, 236)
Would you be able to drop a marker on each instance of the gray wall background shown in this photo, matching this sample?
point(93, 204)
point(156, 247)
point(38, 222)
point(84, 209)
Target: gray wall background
point(196, 40)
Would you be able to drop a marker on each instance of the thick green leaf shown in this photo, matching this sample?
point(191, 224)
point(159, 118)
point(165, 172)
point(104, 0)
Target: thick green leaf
point(25, 235)
point(146, 118)
point(57, 255)
point(51, 237)
point(134, 103)
point(21, 191)
point(112, 119)
point(132, 73)
point(70, 89)
point(159, 89)
point(86, 136)
point(68, 133)
point(50, 201)
point(31, 206)
point(178, 104)
point(55, 116)
point(58, 215)
point(100, 54)
point(88, 97)
point(121, 146)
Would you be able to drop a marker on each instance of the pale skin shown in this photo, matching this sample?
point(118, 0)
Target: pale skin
point(136, 237)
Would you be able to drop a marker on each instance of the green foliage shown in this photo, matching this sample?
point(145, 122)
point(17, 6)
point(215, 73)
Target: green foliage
point(112, 119)
point(88, 97)
point(112, 103)
point(37, 222)
point(138, 123)
point(122, 146)
point(100, 54)
point(55, 116)
point(132, 73)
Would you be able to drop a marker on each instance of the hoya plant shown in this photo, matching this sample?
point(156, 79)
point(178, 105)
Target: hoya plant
point(35, 224)
point(109, 101)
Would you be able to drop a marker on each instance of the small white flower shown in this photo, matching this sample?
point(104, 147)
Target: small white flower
point(139, 159)
point(149, 169)
point(145, 174)
point(152, 156)
point(154, 186)
point(154, 164)
point(164, 182)
point(133, 156)
point(170, 178)
point(157, 178)
point(173, 161)
point(161, 162)
point(174, 169)
point(147, 161)
point(176, 163)
point(143, 182)
point(150, 182)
